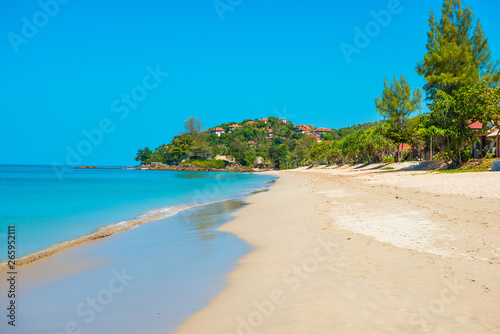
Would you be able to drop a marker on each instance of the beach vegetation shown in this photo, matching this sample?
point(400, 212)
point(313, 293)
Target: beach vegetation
point(396, 105)
point(473, 165)
point(144, 155)
point(452, 114)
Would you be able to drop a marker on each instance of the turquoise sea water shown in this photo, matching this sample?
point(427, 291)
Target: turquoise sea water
point(47, 211)
point(174, 267)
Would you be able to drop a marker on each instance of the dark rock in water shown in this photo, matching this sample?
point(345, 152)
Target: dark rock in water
point(95, 167)
point(87, 167)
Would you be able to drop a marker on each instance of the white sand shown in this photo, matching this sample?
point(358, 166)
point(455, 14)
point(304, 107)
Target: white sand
point(371, 253)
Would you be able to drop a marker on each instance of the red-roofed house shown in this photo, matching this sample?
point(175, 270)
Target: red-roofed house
point(403, 148)
point(476, 126)
point(265, 120)
point(302, 128)
point(251, 143)
point(270, 133)
point(484, 136)
point(322, 131)
point(250, 123)
point(494, 135)
point(234, 126)
point(218, 131)
point(283, 121)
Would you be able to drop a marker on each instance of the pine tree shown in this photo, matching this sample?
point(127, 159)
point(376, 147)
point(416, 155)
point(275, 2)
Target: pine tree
point(458, 53)
point(396, 105)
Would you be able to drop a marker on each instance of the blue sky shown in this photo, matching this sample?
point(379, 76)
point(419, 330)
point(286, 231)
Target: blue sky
point(72, 72)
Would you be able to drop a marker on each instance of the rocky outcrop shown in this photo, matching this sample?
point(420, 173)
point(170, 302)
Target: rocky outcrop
point(187, 167)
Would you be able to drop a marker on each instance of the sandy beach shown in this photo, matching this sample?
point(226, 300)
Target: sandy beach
point(353, 250)
point(335, 250)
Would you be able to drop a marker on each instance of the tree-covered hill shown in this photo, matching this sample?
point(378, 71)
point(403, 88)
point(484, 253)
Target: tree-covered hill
point(268, 142)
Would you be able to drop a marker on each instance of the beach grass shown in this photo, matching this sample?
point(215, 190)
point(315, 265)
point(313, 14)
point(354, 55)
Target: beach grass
point(471, 166)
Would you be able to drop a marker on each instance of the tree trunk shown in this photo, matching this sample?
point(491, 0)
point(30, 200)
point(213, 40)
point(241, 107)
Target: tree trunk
point(431, 150)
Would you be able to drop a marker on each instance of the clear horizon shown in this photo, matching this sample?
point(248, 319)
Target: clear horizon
point(122, 76)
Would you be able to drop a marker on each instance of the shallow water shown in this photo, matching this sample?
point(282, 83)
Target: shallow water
point(47, 210)
point(169, 270)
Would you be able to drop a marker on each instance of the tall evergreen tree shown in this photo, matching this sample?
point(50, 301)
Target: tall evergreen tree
point(458, 53)
point(396, 105)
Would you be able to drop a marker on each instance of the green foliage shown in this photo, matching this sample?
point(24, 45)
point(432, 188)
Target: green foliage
point(361, 146)
point(490, 155)
point(303, 148)
point(442, 156)
point(144, 155)
point(452, 113)
point(466, 153)
point(396, 105)
point(272, 120)
point(192, 126)
point(458, 53)
point(327, 137)
point(344, 132)
point(388, 160)
point(249, 159)
point(387, 168)
point(321, 153)
point(279, 155)
point(471, 166)
point(199, 148)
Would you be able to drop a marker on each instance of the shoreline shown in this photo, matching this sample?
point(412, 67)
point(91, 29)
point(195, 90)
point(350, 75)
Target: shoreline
point(161, 263)
point(103, 232)
point(344, 252)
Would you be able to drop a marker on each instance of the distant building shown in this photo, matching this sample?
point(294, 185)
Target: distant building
point(218, 131)
point(250, 123)
point(270, 133)
point(317, 137)
point(251, 143)
point(302, 128)
point(322, 131)
point(233, 126)
point(265, 120)
point(283, 120)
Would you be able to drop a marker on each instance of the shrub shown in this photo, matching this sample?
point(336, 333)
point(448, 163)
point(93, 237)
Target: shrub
point(249, 159)
point(466, 153)
point(389, 160)
point(444, 156)
point(490, 155)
